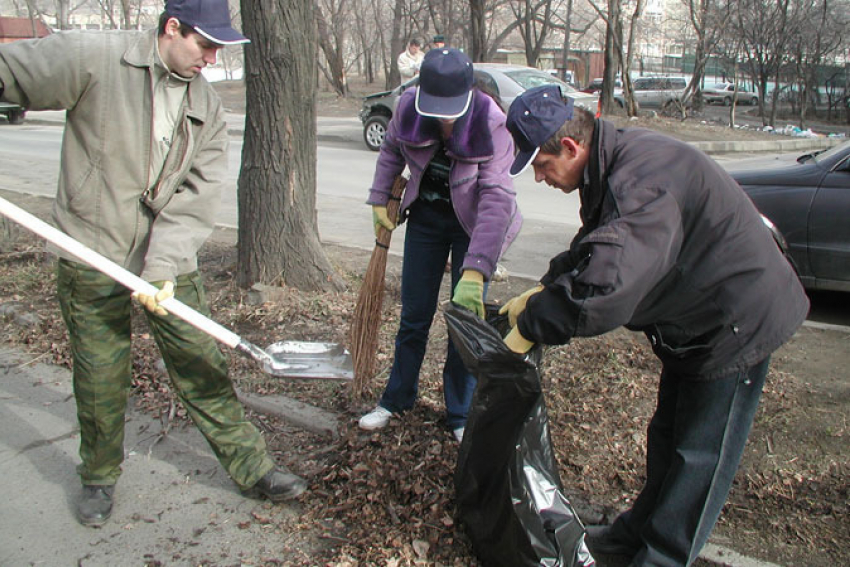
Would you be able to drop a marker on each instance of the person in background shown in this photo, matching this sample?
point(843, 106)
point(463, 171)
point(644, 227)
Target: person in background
point(459, 203)
point(143, 162)
point(410, 60)
point(671, 246)
point(438, 42)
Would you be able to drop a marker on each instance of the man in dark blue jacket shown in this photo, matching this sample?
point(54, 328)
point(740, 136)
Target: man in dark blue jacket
point(671, 246)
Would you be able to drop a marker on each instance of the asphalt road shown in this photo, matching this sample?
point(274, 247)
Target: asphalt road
point(29, 162)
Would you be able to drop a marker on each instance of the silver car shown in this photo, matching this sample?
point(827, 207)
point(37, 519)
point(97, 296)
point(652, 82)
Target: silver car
point(723, 93)
point(654, 92)
point(505, 81)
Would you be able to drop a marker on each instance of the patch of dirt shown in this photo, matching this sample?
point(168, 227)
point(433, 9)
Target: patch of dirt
point(387, 498)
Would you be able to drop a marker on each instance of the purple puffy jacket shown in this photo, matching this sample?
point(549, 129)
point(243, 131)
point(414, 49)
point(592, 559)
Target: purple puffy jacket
point(481, 150)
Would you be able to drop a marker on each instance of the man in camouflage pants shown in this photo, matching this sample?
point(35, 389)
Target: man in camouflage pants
point(143, 160)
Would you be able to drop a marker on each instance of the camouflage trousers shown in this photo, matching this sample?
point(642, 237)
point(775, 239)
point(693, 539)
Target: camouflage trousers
point(97, 312)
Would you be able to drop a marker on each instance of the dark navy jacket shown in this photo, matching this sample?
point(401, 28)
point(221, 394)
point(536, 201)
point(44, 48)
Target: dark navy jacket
point(670, 245)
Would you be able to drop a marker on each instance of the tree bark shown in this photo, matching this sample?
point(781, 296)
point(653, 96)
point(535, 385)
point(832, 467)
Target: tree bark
point(397, 45)
point(478, 29)
point(609, 74)
point(565, 53)
point(278, 230)
point(332, 42)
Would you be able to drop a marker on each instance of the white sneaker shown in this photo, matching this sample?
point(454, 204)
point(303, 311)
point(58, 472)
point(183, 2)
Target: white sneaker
point(378, 418)
point(501, 274)
point(459, 433)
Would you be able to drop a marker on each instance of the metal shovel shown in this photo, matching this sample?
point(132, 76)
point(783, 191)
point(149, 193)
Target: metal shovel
point(288, 359)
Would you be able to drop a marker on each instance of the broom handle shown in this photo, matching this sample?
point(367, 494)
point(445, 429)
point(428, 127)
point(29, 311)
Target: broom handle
point(393, 205)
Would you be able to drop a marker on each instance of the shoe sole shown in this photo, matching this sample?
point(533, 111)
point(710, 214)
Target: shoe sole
point(256, 494)
point(373, 427)
point(92, 523)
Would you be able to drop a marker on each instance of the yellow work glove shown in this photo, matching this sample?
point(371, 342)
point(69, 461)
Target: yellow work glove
point(517, 343)
point(516, 305)
point(381, 219)
point(152, 303)
point(469, 292)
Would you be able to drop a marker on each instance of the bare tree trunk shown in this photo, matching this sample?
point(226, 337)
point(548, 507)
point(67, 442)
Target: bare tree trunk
point(626, 55)
point(478, 30)
point(565, 53)
point(609, 75)
point(278, 229)
point(63, 14)
point(126, 14)
point(396, 46)
point(528, 17)
point(734, 104)
point(332, 48)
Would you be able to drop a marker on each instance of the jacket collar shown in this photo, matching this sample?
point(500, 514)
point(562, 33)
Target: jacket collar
point(592, 194)
point(471, 139)
point(142, 53)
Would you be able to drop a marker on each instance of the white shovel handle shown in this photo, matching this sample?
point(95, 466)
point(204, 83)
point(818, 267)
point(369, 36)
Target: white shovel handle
point(116, 272)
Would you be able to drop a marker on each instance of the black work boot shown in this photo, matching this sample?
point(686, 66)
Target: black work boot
point(95, 505)
point(279, 484)
point(602, 541)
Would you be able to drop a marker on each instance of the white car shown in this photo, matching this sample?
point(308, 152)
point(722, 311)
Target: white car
point(505, 81)
point(723, 93)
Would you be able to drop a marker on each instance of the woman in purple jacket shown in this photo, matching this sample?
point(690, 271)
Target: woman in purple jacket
point(459, 200)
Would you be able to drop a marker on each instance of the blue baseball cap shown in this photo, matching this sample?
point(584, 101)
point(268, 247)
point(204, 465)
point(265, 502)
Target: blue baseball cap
point(210, 18)
point(445, 84)
point(535, 116)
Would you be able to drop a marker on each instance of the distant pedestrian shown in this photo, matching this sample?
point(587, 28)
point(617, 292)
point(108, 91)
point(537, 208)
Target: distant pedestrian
point(144, 158)
point(438, 41)
point(410, 60)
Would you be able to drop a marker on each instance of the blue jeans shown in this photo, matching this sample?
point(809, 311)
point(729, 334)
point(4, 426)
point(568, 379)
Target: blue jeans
point(695, 442)
point(433, 231)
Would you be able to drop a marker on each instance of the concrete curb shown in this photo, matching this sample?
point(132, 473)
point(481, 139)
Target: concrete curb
point(779, 145)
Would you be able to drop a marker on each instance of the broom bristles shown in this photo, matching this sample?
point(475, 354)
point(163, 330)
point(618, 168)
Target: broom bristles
point(367, 320)
point(366, 323)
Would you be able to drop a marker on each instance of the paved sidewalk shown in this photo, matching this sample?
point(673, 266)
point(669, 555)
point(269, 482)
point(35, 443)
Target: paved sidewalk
point(175, 505)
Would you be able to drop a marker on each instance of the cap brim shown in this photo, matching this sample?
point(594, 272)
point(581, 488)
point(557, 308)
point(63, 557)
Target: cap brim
point(522, 160)
point(442, 107)
point(223, 36)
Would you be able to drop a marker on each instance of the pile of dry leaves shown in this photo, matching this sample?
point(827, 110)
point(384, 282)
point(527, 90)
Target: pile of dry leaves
point(386, 498)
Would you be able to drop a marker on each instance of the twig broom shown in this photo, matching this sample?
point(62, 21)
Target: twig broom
point(367, 312)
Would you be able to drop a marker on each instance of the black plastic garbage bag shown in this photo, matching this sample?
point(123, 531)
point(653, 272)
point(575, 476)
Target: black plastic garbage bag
point(509, 493)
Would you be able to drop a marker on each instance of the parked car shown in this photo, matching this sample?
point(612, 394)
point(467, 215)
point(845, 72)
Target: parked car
point(654, 92)
point(13, 113)
point(807, 199)
point(595, 86)
point(723, 93)
point(506, 81)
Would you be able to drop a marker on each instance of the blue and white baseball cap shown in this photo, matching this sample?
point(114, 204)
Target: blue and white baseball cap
point(210, 18)
point(445, 84)
point(535, 116)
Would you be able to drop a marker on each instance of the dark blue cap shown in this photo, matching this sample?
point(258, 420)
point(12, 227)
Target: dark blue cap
point(535, 116)
point(445, 84)
point(210, 18)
